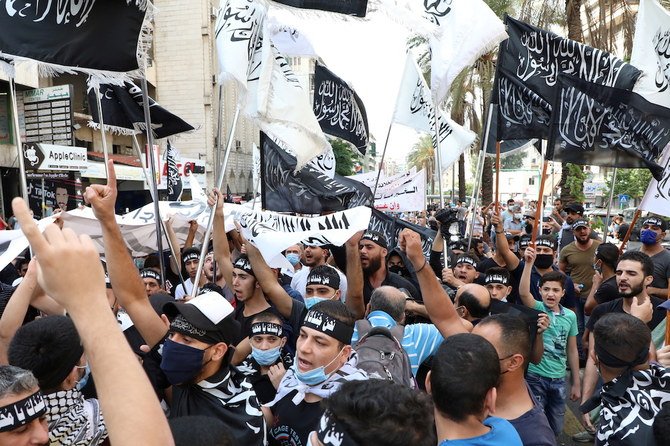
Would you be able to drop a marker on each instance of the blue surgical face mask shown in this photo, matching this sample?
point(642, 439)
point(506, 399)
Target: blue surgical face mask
point(181, 363)
point(84, 379)
point(311, 301)
point(266, 357)
point(293, 258)
point(648, 237)
point(139, 263)
point(315, 376)
point(597, 268)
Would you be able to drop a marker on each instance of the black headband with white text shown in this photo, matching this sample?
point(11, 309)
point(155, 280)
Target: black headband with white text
point(22, 412)
point(267, 328)
point(328, 325)
point(332, 433)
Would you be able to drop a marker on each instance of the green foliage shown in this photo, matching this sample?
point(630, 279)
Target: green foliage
point(513, 160)
point(345, 157)
point(575, 181)
point(422, 156)
point(632, 182)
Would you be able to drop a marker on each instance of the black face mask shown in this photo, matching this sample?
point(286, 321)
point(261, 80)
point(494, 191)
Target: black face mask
point(397, 269)
point(546, 231)
point(528, 228)
point(544, 261)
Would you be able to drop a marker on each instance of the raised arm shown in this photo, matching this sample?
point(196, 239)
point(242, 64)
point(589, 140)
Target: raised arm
point(438, 304)
point(123, 275)
point(69, 270)
point(355, 301)
point(524, 284)
point(175, 265)
point(220, 240)
point(511, 260)
point(15, 311)
point(268, 281)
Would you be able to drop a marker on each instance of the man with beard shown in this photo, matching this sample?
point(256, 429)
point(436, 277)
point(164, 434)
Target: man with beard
point(651, 236)
point(573, 212)
point(634, 273)
point(373, 249)
point(314, 256)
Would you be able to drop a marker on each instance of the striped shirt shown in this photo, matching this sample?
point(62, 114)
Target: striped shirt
point(419, 341)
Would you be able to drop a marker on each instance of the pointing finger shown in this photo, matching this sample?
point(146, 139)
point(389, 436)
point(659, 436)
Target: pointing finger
point(28, 226)
point(111, 175)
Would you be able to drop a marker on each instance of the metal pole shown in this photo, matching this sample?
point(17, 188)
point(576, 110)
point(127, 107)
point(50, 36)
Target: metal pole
point(44, 204)
point(438, 156)
point(257, 186)
point(152, 165)
point(475, 194)
point(609, 205)
point(381, 163)
point(17, 139)
point(219, 185)
point(105, 150)
point(453, 183)
point(219, 123)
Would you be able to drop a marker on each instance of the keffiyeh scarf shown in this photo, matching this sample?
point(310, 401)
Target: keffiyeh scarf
point(73, 420)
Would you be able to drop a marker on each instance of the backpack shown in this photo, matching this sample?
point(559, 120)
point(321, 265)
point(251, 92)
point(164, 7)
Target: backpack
point(379, 351)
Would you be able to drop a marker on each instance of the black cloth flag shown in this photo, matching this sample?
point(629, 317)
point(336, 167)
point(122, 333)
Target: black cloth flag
point(174, 183)
point(339, 110)
point(308, 191)
point(86, 35)
point(604, 126)
point(508, 145)
point(356, 8)
point(391, 226)
point(122, 111)
point(531, 60)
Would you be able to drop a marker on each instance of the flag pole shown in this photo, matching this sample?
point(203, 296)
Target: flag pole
point(609, 204)
point(153, 167)
point(497, 176)
point(219, 185)
point(540, 196)
point(478, 176)
point(438, 156)
point(381, 163)
point(219, 123)
point(105, 150)
point(17, 139)
point(147, 175)
point(630, 231)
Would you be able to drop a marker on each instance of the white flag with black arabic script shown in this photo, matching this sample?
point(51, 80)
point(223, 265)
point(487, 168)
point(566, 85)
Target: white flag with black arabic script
point(467, 29)
point(414, 108)
point(651, 52)
point(238, 24)
point(278, 104)
point(657, 197)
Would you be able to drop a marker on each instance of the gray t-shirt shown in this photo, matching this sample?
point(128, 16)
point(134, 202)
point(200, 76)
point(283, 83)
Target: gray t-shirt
point(661, 269)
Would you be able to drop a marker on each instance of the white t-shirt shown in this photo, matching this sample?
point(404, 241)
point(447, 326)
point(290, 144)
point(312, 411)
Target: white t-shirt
point(299, 282)
point(180, 293)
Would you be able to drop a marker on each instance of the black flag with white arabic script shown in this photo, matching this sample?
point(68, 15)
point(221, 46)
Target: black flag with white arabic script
point(174, 184)
point(604, 126)
point(506, 146)
point(392, 226)
point(308, 191)
point(338, 109)
point(87, 35)
point(122, 109)
point(356, 8)
point(537, 57)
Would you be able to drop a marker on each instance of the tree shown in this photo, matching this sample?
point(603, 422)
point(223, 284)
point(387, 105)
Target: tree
point(345, 157)
point(513, 160)
point(422, 156)
point(632, 182)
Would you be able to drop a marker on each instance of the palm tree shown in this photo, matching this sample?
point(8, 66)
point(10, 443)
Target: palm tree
point(422, 156)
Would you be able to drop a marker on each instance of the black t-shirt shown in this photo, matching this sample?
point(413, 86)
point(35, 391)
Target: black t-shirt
point(607, 291)
point(261, 383)
point(616, 306)
point(395, 281)
point(293, 423)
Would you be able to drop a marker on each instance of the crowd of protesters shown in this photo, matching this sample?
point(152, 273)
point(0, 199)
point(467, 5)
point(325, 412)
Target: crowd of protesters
point(363, 344)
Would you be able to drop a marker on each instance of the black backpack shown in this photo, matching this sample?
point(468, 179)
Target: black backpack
point(380, 352)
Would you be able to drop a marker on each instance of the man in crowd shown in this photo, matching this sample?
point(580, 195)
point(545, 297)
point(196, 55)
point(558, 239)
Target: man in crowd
point(472, 302)
point(190, 258)
point(604, 288)
point(652, 235)
point(23, 409)
point(315, 255)
point(152, 281)
point(498, 283)
point(464, 271)
point(462, 383)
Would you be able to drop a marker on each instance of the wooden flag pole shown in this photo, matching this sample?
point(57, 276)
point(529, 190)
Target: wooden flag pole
point(538, 208)
point(630, 231)
point(479, 173)
point(17, 139)
point(609, 205)
point(497, 177)
point(105, 150)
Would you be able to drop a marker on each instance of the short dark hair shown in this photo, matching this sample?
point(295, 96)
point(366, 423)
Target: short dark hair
point(199, 430)
point(266, 316)
point(498, 271)
point(641, 258)
point(379, 301)
point(382, 412)
point(608, 253)
point(622, 335)
point(514, 334)
point(553, 276)
point(464, 369)
point(473, 305)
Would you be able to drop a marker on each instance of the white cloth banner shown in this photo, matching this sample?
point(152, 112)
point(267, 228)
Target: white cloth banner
point(369, 178)
point(13, 242)
point(256, 170)
point(415, 109)
point(404, 196)
point(467, 29)
point(651, 52)
point(237, 25)
point(657, 197)
point(280, 106)
point(289, 40)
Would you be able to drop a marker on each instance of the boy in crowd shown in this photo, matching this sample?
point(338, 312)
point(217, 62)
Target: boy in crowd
point(547, 379)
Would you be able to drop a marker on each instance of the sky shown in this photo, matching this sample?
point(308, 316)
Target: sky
point(370, 56)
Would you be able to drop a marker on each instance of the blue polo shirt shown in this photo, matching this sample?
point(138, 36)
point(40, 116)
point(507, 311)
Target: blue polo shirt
point(419, 341)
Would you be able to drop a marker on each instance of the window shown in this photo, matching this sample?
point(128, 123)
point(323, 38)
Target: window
point(531, 181)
